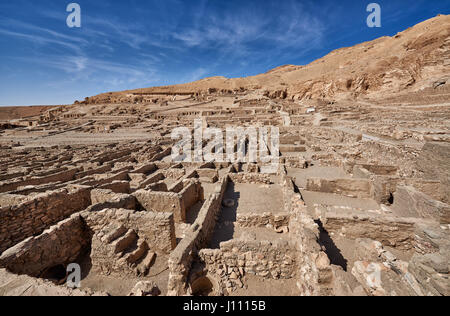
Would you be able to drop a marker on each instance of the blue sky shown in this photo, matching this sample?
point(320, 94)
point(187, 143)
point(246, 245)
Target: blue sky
point(131, 44)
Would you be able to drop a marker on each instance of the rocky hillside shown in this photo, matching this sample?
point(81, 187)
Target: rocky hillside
point(415, 59)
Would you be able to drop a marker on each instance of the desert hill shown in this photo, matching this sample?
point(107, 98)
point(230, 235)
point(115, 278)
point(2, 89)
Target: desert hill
point(18, 112)
point(415, 59)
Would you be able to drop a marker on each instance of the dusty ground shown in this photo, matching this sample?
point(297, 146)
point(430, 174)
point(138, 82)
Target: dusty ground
point(122, 286)
point(260, 287)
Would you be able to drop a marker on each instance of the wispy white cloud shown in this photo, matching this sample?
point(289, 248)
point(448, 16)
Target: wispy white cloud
point(42, 40)
point(292, 26)
point(95, 70)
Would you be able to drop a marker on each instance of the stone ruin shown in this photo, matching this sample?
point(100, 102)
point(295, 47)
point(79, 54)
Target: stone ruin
point(356, 207)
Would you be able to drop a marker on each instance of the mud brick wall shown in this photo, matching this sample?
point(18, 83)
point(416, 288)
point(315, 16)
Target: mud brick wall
point(197, 237)
point(358, 188)
point(158, 229)
point(34, 216)
point(60, 244)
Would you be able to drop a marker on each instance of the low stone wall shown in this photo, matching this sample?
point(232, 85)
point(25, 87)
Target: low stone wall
point(63, 176)
point(384, 188)
point(357, 188)
point(208, 175)
point(432, 188)
point(60, 244)
point(110, 156)
point(162, 202)
point(253, 178)
point(314, 271)
point(119, 176)
point(11, 199)
point(291, 139)
point(379, 169)
point(99, 196)
point(100, 170)
point(174, 173)
point(146, 169)
point(192, 193)
point(434, 163)
point(160, 186)
point(410, 202)
point(157, 229)
point(390, 231)
point(162, 154)
point(196, 238)
point(359, 172)
point(116, 201)
point(158, 176)
point(9, 176)
point(292, 149)
point(176, 203)
point(34, 216)
point(235, 258)
point(295, 162)
point(117, 187)
point(265, 220)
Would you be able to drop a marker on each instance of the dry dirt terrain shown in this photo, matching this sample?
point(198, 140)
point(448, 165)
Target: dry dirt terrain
point(358, 205)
